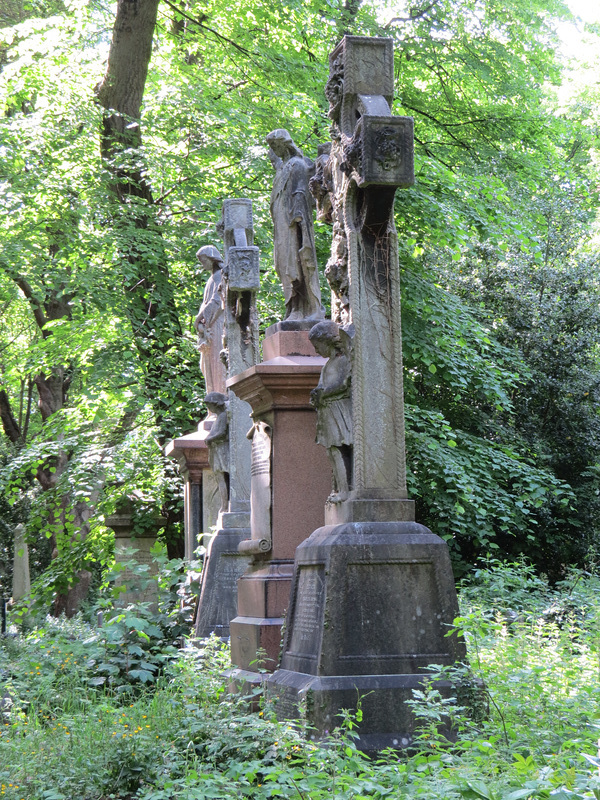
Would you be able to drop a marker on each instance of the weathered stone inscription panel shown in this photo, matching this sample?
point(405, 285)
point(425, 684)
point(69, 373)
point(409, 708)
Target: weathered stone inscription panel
point(224, 587)
point(308, 611)
point(393, 609)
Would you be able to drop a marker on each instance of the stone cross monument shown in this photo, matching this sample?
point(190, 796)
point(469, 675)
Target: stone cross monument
point(371, 155)
point(373, 594)
point(240, 280)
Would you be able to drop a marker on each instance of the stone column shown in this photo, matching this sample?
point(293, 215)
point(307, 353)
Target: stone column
point(373, 594)
point(141, 538)
point(290, 482)
point(200, 512)
point(224, 564)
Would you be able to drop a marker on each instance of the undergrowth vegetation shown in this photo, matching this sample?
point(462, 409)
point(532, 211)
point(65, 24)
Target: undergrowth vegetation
point(64, 735)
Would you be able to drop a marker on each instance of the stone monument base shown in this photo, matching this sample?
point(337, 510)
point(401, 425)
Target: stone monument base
point(370, 607)
point(387, 720)
point(223, 566)
point(263, 592)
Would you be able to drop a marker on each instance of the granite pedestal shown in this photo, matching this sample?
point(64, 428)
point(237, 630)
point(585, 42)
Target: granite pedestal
point(370, 608)
point(278, 390)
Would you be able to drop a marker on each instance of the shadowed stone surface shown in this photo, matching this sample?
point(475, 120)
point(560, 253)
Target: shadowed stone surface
point(278, 390)
point(373, 593)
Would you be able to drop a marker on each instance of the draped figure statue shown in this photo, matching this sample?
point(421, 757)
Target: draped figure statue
point(293, 230)
point(210, 320)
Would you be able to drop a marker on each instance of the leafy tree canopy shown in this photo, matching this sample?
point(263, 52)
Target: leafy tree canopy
point(99, 287)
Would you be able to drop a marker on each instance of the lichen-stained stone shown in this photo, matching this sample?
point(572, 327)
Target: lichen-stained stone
point(373, 593)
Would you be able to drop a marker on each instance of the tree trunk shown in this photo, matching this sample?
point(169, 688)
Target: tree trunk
point(148, 288)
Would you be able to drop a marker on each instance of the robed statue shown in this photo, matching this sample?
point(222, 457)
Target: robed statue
point(332, 399)
point(293, 230)
point(218, 444)
point(210, 320)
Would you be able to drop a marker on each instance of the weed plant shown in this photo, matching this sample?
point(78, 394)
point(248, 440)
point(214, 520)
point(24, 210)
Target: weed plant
point(532, 733)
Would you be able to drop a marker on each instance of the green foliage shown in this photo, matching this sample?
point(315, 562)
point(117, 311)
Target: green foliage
point(184, 735)
point(500, 385)
point(136, 641)
point(478, 495)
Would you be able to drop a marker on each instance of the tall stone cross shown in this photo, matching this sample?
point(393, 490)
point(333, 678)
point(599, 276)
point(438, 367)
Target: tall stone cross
point(371, 156)
point(372, 595)
point(240, 283)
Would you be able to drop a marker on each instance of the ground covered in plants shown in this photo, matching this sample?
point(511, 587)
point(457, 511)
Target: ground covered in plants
point(119, 712)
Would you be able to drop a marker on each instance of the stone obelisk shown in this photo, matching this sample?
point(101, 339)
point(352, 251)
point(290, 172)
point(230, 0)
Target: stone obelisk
point(21, 583)
point(239, 285)
point(373, 593)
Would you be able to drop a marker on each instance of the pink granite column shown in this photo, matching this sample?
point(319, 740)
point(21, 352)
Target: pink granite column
point(278, 390)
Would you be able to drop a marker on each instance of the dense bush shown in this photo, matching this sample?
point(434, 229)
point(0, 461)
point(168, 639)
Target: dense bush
point(536, 649)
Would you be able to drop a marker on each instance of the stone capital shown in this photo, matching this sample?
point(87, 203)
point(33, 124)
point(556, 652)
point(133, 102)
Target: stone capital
point(283, 382)
point(191, 453)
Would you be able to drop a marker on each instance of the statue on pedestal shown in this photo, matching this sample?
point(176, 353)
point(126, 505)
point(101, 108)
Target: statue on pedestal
point(332, 399)
point(210, 320)
point(293, 231)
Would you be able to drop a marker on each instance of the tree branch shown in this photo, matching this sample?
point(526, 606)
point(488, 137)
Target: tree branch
point(9, 423)
point(412, 17)
point(200, 24)
point(25, 287)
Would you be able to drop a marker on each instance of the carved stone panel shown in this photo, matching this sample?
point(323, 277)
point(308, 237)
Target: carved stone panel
point(368, 65)
point(243, 269)
point(237, 216)
point(383, 151)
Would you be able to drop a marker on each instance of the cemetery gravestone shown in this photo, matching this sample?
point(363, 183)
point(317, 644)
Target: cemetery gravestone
point(131, 536)
point(21, 583)
point(240, 281)
point(373, 594)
